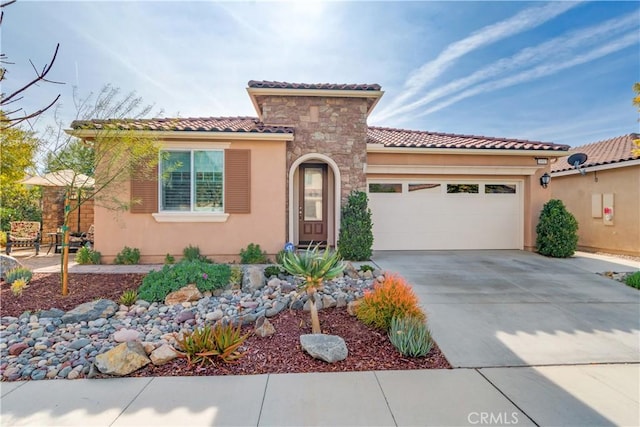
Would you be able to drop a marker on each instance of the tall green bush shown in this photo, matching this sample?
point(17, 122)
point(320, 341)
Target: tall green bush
point(356, 236)
point(557, 231)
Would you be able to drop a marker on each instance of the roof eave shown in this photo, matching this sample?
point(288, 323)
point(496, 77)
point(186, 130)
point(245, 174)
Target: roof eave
point(211, 135)
point(600, 167)
point(379, 148)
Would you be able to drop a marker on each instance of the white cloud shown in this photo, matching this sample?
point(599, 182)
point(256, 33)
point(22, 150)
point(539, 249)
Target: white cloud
point(522, 21)
point(562, 46)
point(545, 69)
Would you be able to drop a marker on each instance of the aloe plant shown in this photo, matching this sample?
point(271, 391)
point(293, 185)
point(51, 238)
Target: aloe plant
point(314, 267)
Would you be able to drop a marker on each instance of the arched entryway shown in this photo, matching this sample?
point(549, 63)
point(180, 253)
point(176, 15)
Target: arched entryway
point(314, 199)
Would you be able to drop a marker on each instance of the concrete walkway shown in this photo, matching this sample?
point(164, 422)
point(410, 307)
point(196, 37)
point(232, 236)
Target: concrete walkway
point(560, 393)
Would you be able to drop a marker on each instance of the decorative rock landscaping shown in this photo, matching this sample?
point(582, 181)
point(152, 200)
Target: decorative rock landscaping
point(55, 344)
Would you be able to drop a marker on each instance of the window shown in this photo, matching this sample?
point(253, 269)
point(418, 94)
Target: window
point(462, 188)
point(425, 188)
point(385, 188)
point(500, 189)
point(192, 181)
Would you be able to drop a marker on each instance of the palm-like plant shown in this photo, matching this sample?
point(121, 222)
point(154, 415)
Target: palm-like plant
point(314, 267)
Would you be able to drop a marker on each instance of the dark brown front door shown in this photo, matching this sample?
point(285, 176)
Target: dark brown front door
point(312, 209)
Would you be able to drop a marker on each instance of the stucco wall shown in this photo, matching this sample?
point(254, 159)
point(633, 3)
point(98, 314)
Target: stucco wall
point(576, 192)
point(265, 225)
point(534, 196)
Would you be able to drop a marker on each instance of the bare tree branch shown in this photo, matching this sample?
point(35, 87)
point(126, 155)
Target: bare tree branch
point(9, 121)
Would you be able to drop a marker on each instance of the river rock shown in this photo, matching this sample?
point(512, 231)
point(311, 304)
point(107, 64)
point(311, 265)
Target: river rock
point(264, 328)
point(126, 335)
point(123, 359)
point(253, 279)
point(17, 348)
point(51, 314)
point(163, 354)
point(330, 348)
point(352, 307)
point(91, 311)
point(188, 293)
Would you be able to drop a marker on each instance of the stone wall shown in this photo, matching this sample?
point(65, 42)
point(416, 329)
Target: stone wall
point(335, 127)
point(53, 212)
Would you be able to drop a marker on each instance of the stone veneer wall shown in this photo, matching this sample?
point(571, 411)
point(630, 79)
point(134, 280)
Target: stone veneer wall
point(335, 127)
point(53, 212)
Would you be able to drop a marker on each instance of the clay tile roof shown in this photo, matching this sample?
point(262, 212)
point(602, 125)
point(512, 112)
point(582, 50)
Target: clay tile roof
point(614, 150)
point(327, 86)
point(199, 124)
point(421, 139)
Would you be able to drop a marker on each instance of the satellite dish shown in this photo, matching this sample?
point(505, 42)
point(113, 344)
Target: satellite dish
point(576, 160)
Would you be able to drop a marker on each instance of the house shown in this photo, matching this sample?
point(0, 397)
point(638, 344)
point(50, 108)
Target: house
point(603, 194)
point(284, 175)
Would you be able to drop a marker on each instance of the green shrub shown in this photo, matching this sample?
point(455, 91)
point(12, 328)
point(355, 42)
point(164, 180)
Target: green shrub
point(128, 256)
point(206, 344)
point(366, 267)
point(280, 256)
point(86, 255)
point(389, 299)
point(169, 259)
point(633, 280)
point(557, 231)
point(273, 270)
point(128, 297)
point(411, 336)
point(18, 273)
point(356, 236)
point(206, 276)
point(236, 275)
point(3, 239)
point(253, 254)
point(192, 253)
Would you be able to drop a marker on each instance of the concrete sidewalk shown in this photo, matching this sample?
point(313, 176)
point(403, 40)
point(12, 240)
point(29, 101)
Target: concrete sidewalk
point(568, 395)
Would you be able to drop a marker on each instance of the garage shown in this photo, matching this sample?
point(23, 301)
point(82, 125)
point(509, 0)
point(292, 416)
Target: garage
point(446, 214)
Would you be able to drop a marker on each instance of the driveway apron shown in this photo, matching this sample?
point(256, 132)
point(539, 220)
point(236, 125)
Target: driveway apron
point(516, 308)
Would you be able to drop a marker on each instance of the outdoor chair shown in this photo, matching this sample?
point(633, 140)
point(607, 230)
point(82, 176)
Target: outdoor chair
point(88, 236)
point(23, 234)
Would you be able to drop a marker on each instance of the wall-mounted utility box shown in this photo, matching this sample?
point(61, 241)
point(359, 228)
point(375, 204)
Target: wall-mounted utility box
point(596, 205)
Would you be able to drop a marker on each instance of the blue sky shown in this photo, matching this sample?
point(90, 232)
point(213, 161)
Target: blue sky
point(551, 71)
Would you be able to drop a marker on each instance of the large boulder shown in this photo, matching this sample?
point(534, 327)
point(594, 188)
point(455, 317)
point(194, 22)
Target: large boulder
point(330, 348)
point(102, 308)
point(253, 279)
point(7, 263)
point(188, 293)
point(123, 359)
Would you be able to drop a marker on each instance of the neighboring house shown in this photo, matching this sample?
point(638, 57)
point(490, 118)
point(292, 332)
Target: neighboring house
point(606, 198)
point(284, 176)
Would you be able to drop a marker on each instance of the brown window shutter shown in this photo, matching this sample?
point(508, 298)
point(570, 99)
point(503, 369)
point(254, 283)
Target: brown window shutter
point(144, 192)
point(237, 181)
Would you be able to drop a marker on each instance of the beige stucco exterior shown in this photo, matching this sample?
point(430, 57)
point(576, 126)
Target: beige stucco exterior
point(222, 241)
point(577, 192)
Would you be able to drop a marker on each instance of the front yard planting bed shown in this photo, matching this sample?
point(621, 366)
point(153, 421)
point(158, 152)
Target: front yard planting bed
point(56, 350)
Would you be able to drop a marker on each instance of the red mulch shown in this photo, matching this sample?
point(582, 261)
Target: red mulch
point(369, 349)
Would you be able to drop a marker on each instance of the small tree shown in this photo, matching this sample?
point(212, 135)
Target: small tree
point(557, 231)
point(116, 154)
point(356, 236)
point(314, 267)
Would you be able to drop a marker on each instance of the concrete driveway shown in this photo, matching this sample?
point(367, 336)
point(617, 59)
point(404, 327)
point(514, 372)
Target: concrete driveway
point(515, 308)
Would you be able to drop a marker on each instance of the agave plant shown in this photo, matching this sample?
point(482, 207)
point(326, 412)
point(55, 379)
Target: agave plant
point(314, 267)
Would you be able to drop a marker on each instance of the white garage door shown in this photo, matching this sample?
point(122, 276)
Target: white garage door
point(432, 215)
